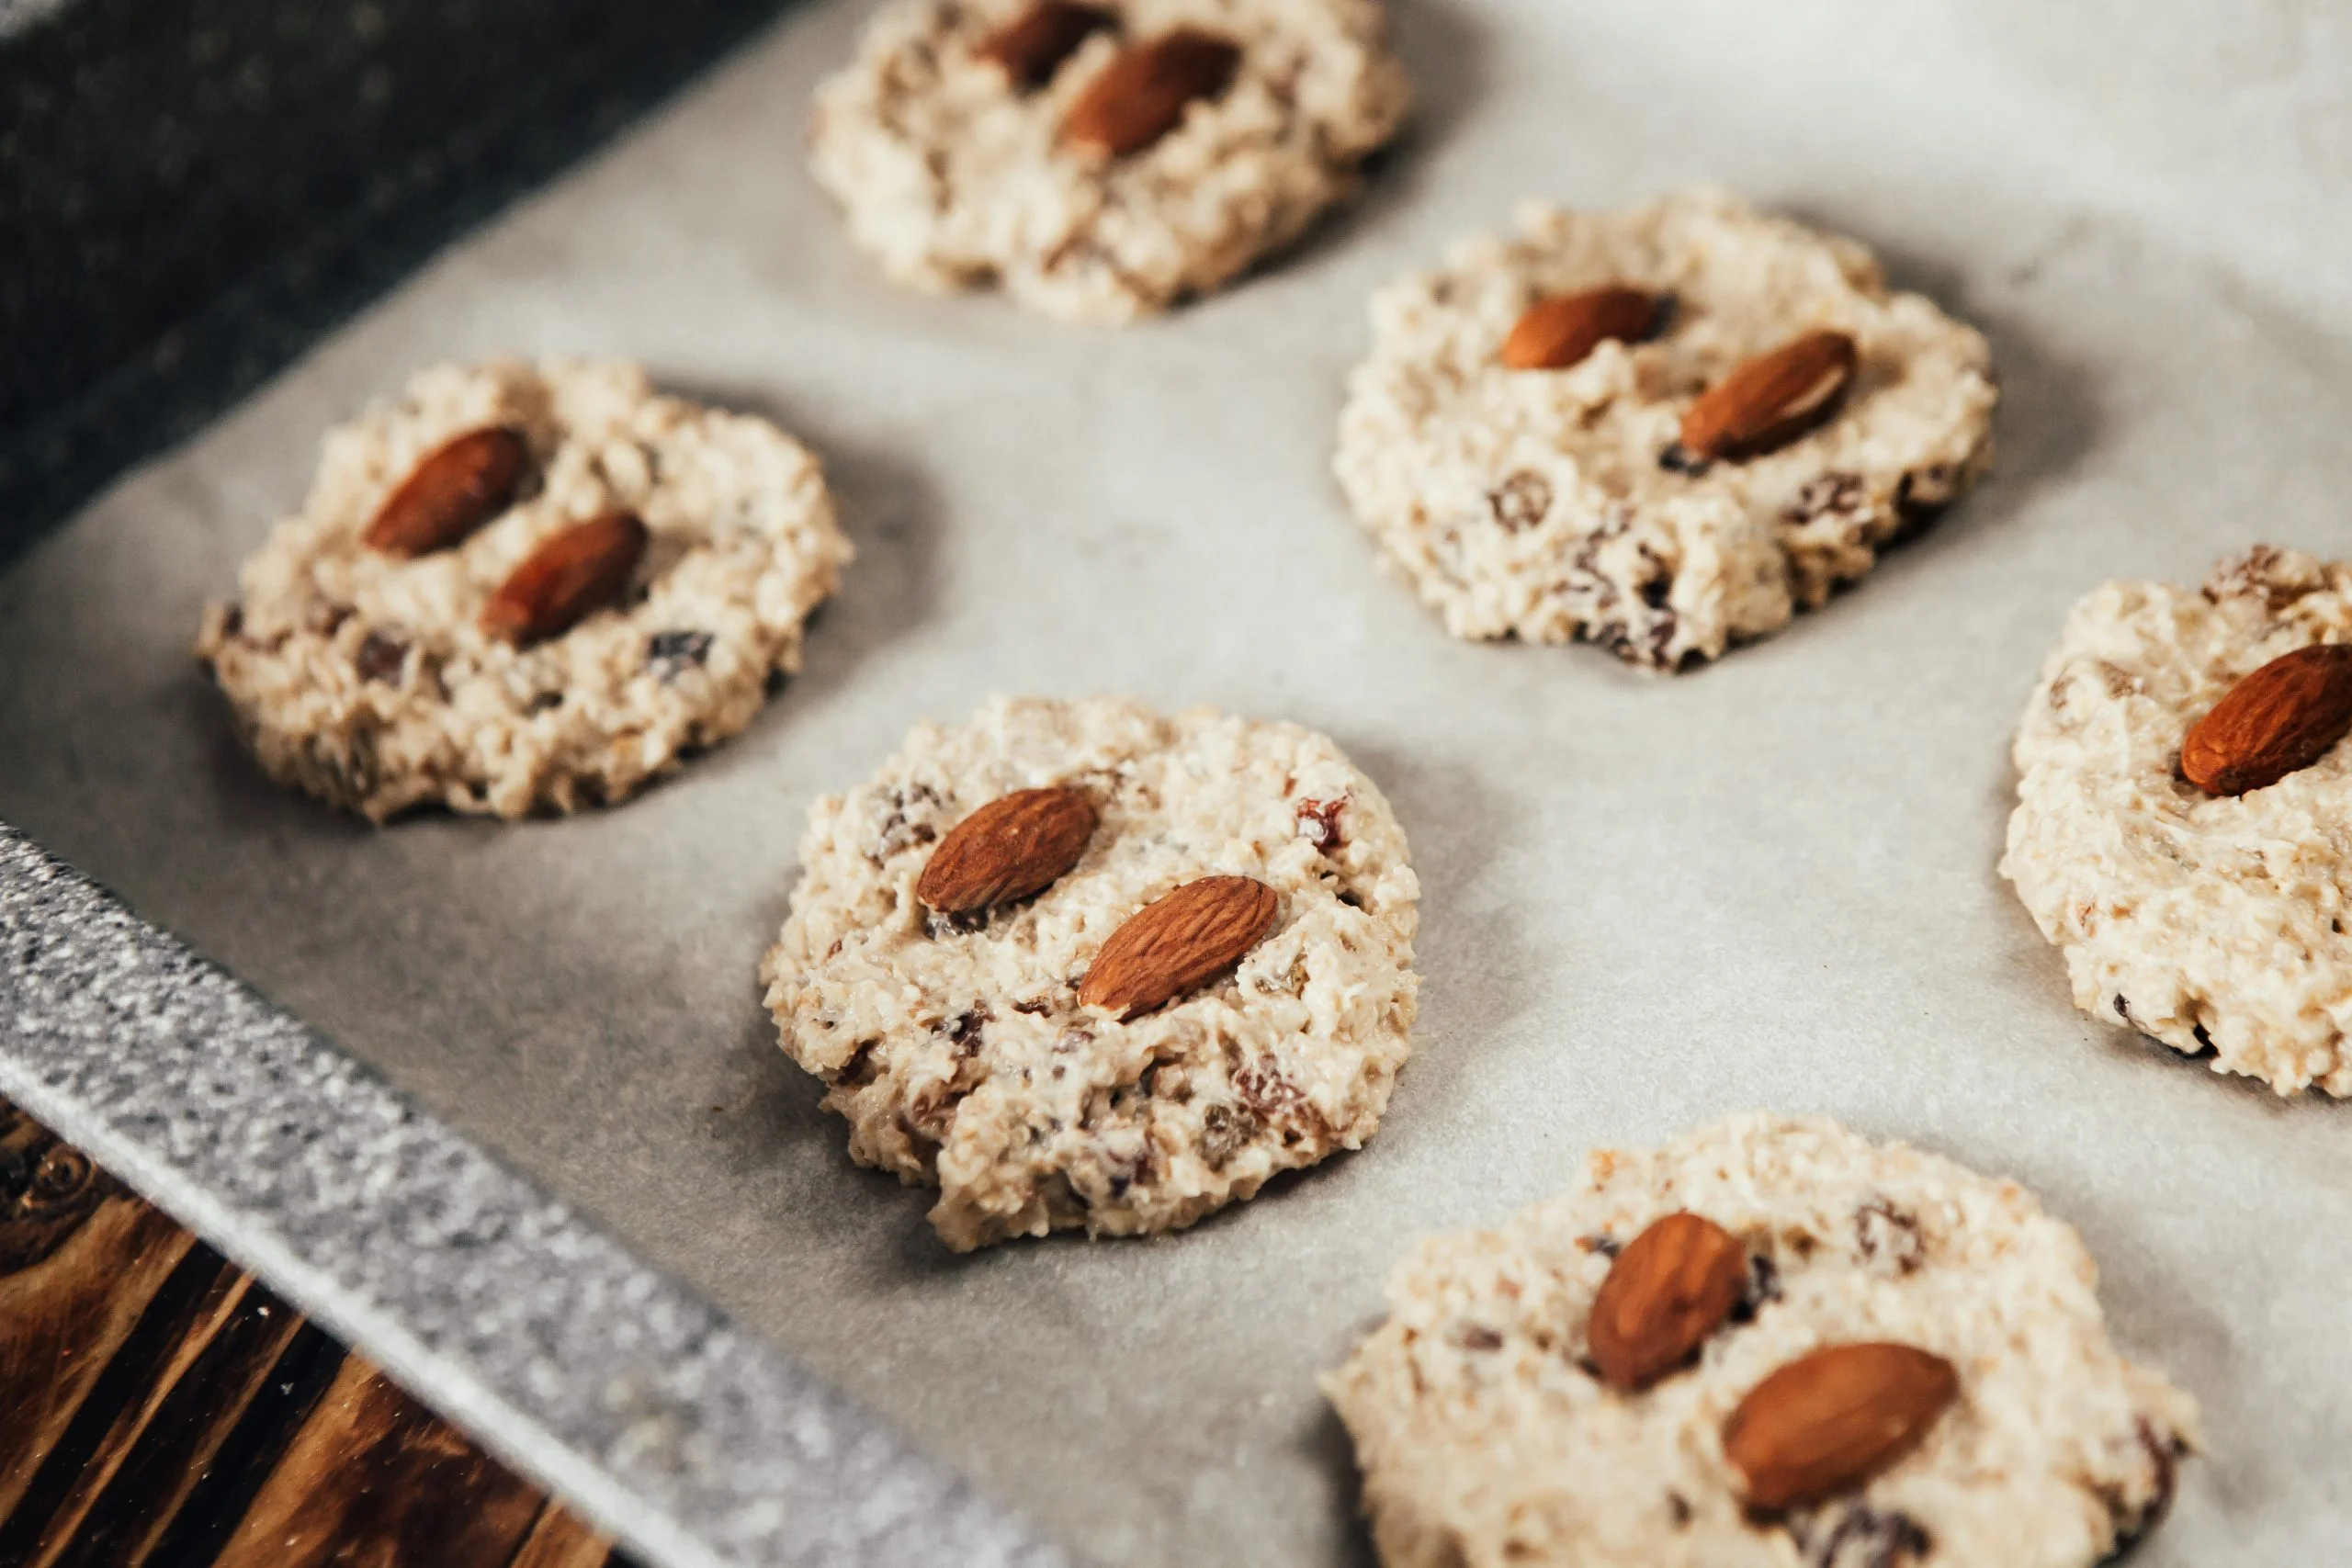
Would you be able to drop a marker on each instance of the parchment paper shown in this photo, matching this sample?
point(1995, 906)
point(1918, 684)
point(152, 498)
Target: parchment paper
point(1649, 902)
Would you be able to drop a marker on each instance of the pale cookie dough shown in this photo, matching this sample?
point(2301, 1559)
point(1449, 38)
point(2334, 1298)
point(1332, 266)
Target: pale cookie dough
point(957, 1049)
point(1485, 1440)
point(953, 178)
point(1532, 503)
point(366, 679)
point(2217, 925)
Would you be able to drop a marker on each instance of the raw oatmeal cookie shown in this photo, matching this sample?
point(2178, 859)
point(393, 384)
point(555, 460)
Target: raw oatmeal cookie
point(1100, 160)
point(2215, 922)
point(1664, 431)
point(984, 937)
point(521, 588)
point(1497, 1423)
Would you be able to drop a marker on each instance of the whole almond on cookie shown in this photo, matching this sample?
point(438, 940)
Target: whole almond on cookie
point(1142, 94)
point(1178, 941)
point(460, 485)
point(1015, 845)
point(571, 576)
point(1771, 400)
point(2278, 720)
point(1829, 1421)
point(1031, 46)
point(1559, 330)
point(1672, 1286)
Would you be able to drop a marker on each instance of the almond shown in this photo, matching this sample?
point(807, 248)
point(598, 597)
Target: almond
point(1015, 845)
point(1031, 46)
point(1830, 1421)
point(1670, 1288)
point(1559, 330)
point(461, 485)
point(1178, 941)
point(2278, 720)
point(569, 576)
point(1142, 94)
point(1771, 400)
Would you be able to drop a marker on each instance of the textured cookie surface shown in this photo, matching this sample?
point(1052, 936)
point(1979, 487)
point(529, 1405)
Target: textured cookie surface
point(1533, 504)
point(367, 680)
point(958, 1047)
point(1485, 1440)
point(2217, 925)
point(952, 175)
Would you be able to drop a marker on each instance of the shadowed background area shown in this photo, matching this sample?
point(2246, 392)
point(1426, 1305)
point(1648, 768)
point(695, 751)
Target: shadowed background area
point(191, 190)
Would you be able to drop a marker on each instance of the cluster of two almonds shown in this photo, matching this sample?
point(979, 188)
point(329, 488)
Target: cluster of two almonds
point(470, 479)
point(1020, 844)
point(1821, 1425)
point(1139, 97)
point(1763, 403)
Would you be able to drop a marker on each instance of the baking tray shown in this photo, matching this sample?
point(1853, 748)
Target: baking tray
point(1647, 902)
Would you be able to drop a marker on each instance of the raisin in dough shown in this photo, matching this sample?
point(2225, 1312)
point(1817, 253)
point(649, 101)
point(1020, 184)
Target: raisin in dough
point(956, 1048)
point(1532, 503)
point(1485, 1440)
point(2217, 925)
point(952, 178)
point(365, 679)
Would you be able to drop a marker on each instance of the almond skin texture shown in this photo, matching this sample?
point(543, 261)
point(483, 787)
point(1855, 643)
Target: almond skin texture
point(1032, 47)
point(461, 485)
point(569, 576)
point(2278, 720)
point(1559, 330)
point(1670, 1288)
point(1142, 95)
point(1829, 1421)
point(1178, 941)
point(1015, 845)
point(1771, 400)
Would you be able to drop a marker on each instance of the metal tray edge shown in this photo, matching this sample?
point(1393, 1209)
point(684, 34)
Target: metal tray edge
point(653, 1415)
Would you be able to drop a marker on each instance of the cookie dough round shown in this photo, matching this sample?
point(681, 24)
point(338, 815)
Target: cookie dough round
point(2217, 925)
point(1533, 504)
point(958, 1048)
point(953, 176)
point(1485, 1440)
point(367, 679)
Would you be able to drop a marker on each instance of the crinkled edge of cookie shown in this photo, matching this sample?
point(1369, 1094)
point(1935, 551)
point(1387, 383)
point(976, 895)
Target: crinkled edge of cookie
point(1487, 492)
point(956, 1048)
point(2216, 926)
point(894, 137)
point(1485, 1440)
point(366, 680)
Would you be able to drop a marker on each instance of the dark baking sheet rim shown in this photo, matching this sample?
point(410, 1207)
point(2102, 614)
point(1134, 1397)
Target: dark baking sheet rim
point(403, 207)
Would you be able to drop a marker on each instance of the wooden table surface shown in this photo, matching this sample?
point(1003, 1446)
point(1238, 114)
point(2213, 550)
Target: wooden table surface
point(161, 1408)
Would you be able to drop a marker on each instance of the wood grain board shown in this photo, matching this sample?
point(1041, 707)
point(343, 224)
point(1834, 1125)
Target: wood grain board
point(162, 1408)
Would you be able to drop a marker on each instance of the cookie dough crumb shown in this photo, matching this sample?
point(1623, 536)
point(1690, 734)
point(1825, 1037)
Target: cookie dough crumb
point(956, 1046)
point(953, 176)
point(1554, 505)
point(367, 679)
point(2215, 925)
point(1485, 1438)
